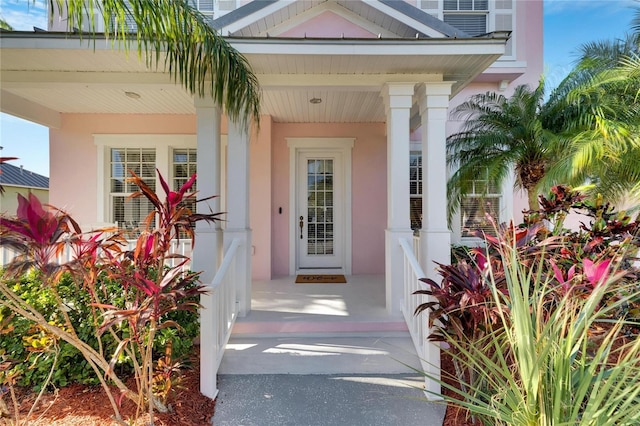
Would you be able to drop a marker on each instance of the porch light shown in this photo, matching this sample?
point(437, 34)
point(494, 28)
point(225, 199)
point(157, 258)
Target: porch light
point(132, 95)
point(315, 100)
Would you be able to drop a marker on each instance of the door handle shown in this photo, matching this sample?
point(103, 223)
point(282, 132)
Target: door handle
point(301, 224)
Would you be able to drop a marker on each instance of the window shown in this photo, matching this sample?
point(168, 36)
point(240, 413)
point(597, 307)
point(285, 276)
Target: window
point(127, 212)
point(183, 165)
point(205, 7)
point(415, 190)
point(469, 16)
point(483, 200)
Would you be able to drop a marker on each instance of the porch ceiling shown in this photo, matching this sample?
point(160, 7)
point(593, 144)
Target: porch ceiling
point(45, 75)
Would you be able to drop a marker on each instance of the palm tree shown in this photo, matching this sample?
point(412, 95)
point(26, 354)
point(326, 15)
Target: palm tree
point(499, 134)
point(596, 110)
point(174, 35)
point(588, 131)
point(4, 25)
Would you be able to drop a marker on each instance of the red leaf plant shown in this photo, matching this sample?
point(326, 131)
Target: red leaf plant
point(151, 289)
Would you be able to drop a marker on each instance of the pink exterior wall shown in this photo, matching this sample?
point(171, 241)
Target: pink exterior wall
point(73, 154)
point(328, 24)
point(529, 24)
point(368, 192)
point(260, 200)
point(73, 157)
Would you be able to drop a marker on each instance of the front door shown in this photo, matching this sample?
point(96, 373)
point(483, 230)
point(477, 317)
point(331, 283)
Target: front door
point(320, 214)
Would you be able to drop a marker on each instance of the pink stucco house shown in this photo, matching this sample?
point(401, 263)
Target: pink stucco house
point(349, 162)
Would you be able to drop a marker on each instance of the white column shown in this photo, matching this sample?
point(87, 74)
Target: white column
point(207, 250)
point(398, 100)
point(435, 237)
point(237, 217)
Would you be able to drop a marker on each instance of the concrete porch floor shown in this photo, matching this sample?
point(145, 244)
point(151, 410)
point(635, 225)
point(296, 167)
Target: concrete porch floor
point(322, 354)
point(281, 306)
point(320, 329)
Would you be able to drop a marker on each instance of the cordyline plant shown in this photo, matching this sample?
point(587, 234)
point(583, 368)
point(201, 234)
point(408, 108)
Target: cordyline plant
point(551, 362)
point(471, 308)
point(151, 289)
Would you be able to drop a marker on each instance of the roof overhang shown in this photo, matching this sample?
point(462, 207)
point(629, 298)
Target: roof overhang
point(44, 75)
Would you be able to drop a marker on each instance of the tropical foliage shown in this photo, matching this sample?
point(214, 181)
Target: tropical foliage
point(586, 132)
point(500, 134)
point(172, 35)
point(109, 303)
point(596, 109)
point(543, 324)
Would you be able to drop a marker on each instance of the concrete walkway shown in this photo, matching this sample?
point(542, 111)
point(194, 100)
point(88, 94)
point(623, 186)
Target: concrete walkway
point(323, 400)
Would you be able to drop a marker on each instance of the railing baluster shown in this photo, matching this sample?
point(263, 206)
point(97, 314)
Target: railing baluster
point(428, 352)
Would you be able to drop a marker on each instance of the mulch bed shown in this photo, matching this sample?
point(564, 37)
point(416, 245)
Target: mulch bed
point(81, 405)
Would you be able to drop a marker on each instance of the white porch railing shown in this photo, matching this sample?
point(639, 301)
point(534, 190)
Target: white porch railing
point(217, 317)
point(182, 247)
point(428, 352)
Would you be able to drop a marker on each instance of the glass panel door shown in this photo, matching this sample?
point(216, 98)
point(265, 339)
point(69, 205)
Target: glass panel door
point(319, 211)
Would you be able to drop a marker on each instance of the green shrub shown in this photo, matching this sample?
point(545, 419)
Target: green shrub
point(71, 365)
point(543, 322)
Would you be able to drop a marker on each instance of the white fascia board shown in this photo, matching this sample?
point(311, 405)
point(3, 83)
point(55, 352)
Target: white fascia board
point(406, 19)
point(28, 110)
point(60, 41)
point(64, 79)
point(448, 47)
point(256, 16)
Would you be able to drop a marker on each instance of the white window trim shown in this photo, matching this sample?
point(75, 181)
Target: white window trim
point(163, 144)
point(505, 215)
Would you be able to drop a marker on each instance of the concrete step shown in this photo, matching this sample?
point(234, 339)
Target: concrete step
point(319, 354)
point(364, 328)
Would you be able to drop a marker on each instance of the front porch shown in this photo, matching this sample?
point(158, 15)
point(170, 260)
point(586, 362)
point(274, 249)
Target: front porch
point(320, 329)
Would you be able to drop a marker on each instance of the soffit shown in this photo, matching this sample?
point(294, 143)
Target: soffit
point(61, 78)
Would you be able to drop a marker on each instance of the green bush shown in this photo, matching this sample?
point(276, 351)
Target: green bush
point(543, 322)
point(71, 365)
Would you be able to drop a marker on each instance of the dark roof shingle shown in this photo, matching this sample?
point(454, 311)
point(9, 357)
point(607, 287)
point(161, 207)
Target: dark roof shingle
point(17, 176)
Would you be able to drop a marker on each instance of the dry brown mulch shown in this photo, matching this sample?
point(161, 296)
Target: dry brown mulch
point(81, 405)
point(455, 416)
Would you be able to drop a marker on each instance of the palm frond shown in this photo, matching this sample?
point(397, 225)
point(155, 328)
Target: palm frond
point(173, 36)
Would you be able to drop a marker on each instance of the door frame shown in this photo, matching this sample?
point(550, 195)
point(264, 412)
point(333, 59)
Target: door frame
point(344, 146)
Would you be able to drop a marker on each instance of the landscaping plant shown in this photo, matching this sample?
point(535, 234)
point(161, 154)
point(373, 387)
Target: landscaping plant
point(542, 323)
point(108, 302)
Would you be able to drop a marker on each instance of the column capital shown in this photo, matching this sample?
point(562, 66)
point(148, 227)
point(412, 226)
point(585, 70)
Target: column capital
point(205, 102)
point(435, 95)
point(398, 95)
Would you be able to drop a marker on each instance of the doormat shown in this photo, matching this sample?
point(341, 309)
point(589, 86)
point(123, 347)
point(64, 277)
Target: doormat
point(320, 279)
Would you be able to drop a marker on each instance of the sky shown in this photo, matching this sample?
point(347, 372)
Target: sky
point(567, 25)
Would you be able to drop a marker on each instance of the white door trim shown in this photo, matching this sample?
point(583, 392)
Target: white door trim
point(345, 147)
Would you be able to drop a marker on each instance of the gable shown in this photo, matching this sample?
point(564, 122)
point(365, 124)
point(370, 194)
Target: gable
point(333, 19)
point(327, 24)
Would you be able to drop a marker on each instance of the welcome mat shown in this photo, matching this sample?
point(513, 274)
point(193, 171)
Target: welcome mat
point(320, 279)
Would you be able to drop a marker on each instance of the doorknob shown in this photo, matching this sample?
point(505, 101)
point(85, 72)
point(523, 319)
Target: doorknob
point(301, 226)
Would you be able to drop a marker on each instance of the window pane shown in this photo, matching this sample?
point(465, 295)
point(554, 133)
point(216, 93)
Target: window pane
point(481, 5)
point(476, 213)
point(130, 213)
point(415, 210)
point(415, 174)
point(472, 24)
point(450, 4)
